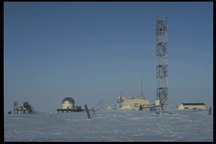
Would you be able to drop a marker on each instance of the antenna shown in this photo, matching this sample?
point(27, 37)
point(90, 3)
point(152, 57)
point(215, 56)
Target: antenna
point(141, 87)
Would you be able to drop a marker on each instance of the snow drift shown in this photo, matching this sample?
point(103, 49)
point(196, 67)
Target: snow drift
point(109, 125)
point(128, 107)
point(109, 108)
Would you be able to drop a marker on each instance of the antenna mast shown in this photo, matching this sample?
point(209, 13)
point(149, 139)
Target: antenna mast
point(162, 63)
point(141, 87)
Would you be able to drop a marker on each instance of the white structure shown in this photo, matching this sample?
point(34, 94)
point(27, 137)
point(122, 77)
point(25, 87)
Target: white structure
point(199, 106)
point(157, 103)
point(68, 103)
point(138, 103)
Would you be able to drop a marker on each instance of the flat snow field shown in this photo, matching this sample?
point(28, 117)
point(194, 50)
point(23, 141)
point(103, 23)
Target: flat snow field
point(110, 125)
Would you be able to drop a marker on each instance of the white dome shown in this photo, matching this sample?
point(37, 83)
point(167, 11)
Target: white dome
point(68, 100)
point(68, 103)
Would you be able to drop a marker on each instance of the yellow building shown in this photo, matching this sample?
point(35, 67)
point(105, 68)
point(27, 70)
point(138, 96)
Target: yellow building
point(200, 106)
point(137, 103)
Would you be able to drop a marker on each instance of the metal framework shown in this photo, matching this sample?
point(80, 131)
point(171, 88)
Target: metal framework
point(162, 63)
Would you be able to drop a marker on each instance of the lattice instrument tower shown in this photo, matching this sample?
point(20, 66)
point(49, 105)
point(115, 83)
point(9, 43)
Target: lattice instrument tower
point(162, 63)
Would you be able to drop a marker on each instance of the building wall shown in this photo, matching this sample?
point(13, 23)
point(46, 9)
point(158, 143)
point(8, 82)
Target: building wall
point(201, 107)
point(66, 105)
point(135, 103)
point(195, 107)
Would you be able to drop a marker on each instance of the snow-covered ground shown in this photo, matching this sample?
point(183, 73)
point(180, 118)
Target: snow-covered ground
point(110, 125)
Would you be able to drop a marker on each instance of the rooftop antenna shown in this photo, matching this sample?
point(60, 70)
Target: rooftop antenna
point(141, 87)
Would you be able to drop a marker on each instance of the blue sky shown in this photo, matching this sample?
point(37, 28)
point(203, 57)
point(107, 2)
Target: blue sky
point(95, 50)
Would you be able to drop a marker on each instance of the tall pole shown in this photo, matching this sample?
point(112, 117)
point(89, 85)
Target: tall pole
point(141, 86)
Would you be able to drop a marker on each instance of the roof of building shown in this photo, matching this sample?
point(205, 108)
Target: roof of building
point(70, 99)
point(193, 103)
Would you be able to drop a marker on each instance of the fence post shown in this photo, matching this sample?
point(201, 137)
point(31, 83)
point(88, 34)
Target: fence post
point(209, 110)
point(86, 108)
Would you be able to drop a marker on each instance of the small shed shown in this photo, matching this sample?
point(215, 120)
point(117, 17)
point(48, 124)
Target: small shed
point(199, 106)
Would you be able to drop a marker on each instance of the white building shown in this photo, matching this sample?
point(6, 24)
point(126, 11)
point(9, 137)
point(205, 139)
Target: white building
point(68, 103)
point(200, 106)
point(137, 103)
